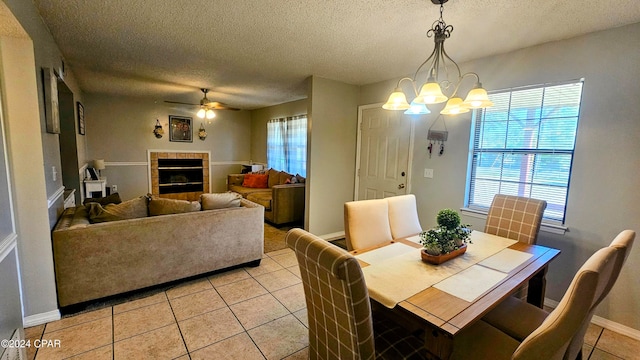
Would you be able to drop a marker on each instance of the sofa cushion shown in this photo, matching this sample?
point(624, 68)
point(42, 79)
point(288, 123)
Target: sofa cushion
point(80, 217)
point(284, 178)
point(162, 206)
point(130, 209)
point(300, 178)
point(111, 199)
point(220, 201)
point(256, 181)
point(261, 198)
point(274, 177)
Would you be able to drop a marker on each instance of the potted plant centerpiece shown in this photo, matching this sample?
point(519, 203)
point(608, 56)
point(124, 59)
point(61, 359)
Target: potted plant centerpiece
point(447, 240)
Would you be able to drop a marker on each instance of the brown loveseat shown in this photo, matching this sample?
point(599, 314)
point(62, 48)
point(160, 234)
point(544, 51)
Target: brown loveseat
point(96, 260)
point(283, 201)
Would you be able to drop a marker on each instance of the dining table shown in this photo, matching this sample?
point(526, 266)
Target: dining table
point(445, 299)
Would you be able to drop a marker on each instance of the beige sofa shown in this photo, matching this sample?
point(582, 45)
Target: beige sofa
point(93, 261)
point(283, 203)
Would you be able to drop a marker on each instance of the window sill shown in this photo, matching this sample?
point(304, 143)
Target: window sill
point(546, 227)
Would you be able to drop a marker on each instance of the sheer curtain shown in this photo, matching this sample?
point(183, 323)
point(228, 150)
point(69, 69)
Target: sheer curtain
point(287, 144)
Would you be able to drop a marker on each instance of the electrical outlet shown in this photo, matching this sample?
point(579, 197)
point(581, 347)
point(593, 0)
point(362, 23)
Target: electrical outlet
point(428, 173)
point(114, 188)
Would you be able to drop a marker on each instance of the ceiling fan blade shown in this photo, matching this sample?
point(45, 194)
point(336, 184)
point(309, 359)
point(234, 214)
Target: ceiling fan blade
point(215, 105)
point(181, 103)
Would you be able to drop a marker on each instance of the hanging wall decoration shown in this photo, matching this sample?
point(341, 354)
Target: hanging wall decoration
point(437, 137)
point(158, 131)
point(202, 134)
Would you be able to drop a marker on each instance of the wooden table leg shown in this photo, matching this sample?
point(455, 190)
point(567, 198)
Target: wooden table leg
point(438, 343)
point(537, 287)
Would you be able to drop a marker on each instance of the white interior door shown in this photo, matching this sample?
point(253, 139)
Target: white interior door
point(384, 144)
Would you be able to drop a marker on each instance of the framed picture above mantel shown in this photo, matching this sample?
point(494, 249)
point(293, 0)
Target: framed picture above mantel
point(180, 129)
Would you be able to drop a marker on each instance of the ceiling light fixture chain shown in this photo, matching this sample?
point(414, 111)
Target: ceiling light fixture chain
point(431, 92)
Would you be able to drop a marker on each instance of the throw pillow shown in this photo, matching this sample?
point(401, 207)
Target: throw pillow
point(111, 199)
point(220, 201)
point(130, 209)
point(256, 181)
point(284, 178)
point(162, 206)
point(274, 177)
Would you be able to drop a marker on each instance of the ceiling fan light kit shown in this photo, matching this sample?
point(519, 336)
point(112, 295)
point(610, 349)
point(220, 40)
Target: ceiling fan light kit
point(206, 106)
point(432, 92)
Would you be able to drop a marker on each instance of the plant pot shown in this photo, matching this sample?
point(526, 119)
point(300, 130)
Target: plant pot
point(439, 259)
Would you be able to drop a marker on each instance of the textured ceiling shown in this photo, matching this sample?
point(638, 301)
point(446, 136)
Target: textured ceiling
point(258, 53)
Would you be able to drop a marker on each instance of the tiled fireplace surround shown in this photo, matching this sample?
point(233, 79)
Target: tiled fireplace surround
point(154, 156)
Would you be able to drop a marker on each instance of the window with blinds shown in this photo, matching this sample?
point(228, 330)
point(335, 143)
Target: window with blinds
point(524, 146)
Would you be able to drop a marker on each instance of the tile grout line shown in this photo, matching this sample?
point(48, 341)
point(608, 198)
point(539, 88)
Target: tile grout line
point(113, 334)
point(236, 317)
point(184, 342)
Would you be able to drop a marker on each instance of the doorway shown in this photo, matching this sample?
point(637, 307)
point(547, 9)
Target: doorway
point(68, 142)
point(384, 154)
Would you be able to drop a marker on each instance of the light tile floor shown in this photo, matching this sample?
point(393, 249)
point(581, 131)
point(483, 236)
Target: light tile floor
point(248, 313)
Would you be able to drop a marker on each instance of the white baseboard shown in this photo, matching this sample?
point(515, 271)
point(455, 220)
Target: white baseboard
point(605, 323)
point(39, 319)
point(332, 236)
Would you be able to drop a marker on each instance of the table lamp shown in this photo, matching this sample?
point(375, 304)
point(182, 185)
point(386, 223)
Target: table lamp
point(99, 165)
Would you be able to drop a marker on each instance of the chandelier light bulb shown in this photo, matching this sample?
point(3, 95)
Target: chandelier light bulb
point(210, 114)
point(201, 113)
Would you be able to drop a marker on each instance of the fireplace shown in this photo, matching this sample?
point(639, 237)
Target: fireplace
point(179, 175)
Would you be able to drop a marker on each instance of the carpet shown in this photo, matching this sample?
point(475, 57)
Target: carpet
point(274, 237)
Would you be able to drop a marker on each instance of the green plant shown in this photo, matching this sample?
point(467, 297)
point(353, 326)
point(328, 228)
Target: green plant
point(448, 236)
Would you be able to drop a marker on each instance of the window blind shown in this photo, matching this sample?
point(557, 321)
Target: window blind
point(524, 146)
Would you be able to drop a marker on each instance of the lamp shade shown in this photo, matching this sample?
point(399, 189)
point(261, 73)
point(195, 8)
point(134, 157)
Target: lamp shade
point(454, 106)
point(430, 93)
point(210, 114)
point(201, 113)
point(98, 164)
point(397, 101)
point(478, 98)
point(417, 109)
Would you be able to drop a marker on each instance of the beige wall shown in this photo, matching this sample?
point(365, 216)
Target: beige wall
point(120, 131)
point(331, 154)
point(603, 197)
point(259, 119)
point(24, 152)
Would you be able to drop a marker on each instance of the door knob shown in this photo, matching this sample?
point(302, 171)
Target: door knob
point(401, 186)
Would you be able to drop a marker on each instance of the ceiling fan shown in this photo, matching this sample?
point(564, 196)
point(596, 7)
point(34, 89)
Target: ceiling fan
point(206, 106)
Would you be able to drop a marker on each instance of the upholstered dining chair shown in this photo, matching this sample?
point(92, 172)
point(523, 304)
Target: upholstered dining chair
point(514, 217)
point(517, 218)
point(366, 223)
point(403, 216)
point(340, 322)
point(530, 317)
point(551, 339)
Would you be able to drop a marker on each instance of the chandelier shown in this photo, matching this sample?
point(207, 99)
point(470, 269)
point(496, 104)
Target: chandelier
point(440, 65)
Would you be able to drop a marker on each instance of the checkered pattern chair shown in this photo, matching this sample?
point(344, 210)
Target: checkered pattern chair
point(551, 338)
point(515, 217)
point(530, 317)
point(339, 312)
